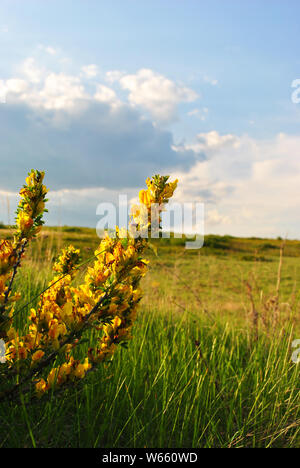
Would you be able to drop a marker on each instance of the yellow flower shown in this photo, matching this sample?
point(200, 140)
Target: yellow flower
point(109, 258)
point(79, 371)
point(24, 222)
point(112, 308)
point(65, 370)
point(37, 356)
point(67, 313)
point(21, 351)
point(145, 197)
point(52, 377)
point(30, 180)
point(41, 387)
point(111, 328)
point(40, 207)
point(56, 329)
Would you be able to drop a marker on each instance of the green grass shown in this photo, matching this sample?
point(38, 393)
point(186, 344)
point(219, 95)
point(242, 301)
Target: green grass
point(194, 374)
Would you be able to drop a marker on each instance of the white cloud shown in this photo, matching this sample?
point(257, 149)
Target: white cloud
point(2, 92)
point(212, 141)
point(32, 72)
point(105, 94)
point(250, 187)
point(41, 88)
point(50, 50)
point(90, 71)
point(199, 113)
point(211, 81)
point(16, 85)
point(213, 218)
point(59, 91)
point(148, 90)
point(13, 86)
point(156, 93)
point(114, 75)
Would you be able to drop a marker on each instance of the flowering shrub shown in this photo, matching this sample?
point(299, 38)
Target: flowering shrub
point(44, 355)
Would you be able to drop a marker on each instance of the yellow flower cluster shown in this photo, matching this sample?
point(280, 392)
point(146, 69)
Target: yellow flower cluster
point(106, 302)
point(114, 277)
point(67, 261)
point(7, 260)
point(19, 347)
point(32, 206)
point(147, 215)
point(46, 326)
point(28, 223)
point(159, 190)
point(67, 372)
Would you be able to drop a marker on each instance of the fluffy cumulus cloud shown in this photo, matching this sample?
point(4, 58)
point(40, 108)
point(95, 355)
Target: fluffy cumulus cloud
point(156, 93)
point(212, 142)
point(31, 71)
point(106, 94)
point(90, 71)
point(113, 76)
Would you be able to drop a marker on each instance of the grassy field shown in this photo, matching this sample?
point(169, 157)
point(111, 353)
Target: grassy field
point(210, 363)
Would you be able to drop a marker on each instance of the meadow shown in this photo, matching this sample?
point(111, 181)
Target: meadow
point(210, 360)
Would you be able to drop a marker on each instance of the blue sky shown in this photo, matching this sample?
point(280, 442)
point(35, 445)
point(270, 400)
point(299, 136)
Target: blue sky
point(102, 94)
